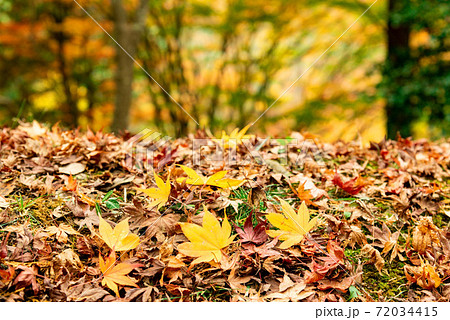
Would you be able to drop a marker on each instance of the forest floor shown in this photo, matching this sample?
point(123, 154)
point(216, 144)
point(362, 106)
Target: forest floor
point(90, 216)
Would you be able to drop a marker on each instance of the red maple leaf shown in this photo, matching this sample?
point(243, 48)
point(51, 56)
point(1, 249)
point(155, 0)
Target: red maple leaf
point(249, 234)
point(352, 186)
point(331, 261)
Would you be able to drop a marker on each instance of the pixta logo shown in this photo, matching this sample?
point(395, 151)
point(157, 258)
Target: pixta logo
point(147, 148)
point(144, 147)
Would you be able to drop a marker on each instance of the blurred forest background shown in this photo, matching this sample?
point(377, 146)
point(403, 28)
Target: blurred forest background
point(225, 62)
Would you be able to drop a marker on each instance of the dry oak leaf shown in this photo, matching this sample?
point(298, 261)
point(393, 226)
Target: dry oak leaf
point(119, 239)
point(160, 194)
point(116, 274)
point(293, 226)
point(216, 180)
point(206, 241)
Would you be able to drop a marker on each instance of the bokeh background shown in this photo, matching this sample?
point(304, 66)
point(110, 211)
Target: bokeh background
point(225, 62)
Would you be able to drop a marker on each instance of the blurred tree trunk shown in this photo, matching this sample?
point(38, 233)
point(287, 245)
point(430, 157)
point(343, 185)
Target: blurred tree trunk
point(127, 34)
point(399, 112)
point(71, 112)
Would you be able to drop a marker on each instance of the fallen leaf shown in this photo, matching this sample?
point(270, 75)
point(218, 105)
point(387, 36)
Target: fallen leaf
point(388, 240)
point(160, 194)
point(119, 239)
point(352, 186)
point(341, 284)
point(235, 138)
point(248, 234)
point(333, 258)
point(425, 234)
point(286, 283)
point(27, 277)
point(62, 231)
point(7, 275)
point(293, 226)
point(255, 196)
point(116, 274)
point(308, 185)
point(4, 203)
point(73, 168)
point(265, 250)
point(216, 180)
point(424, 275)
point(72, 185)
point(206, 241)
point(69, 258)
point(374, 255)
point(302, 194)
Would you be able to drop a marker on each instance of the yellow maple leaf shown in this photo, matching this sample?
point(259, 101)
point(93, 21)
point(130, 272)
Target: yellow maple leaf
point(206, 241)
point(160, 194)
point(116, 274)
point(217, 179)
point(235, 138)
point(293, 226)
point(119, 239)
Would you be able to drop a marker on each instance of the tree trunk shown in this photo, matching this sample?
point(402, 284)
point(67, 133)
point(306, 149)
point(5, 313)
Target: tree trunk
point(127, 35)
point(71, 112)
point(399, 113)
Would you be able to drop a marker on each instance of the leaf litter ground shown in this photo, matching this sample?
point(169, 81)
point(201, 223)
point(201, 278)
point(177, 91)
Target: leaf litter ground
point(82, 218)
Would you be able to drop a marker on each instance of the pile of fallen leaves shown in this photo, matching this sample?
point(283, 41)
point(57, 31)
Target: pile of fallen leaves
point(83, 217)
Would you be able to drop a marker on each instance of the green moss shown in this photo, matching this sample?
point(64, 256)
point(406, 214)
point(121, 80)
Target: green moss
point(441, 220)
point(391, 284)
point(353, 255)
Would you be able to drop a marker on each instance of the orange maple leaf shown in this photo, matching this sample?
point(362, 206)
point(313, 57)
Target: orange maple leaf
point(302, 194)
point(72, 185)
point(116, 274)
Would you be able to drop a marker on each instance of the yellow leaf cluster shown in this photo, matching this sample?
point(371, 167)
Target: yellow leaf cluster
point(216, 180)
point(235, 138)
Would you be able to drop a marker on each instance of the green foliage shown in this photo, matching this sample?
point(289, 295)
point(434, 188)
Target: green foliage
point(354, 292)
point(417, 87)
